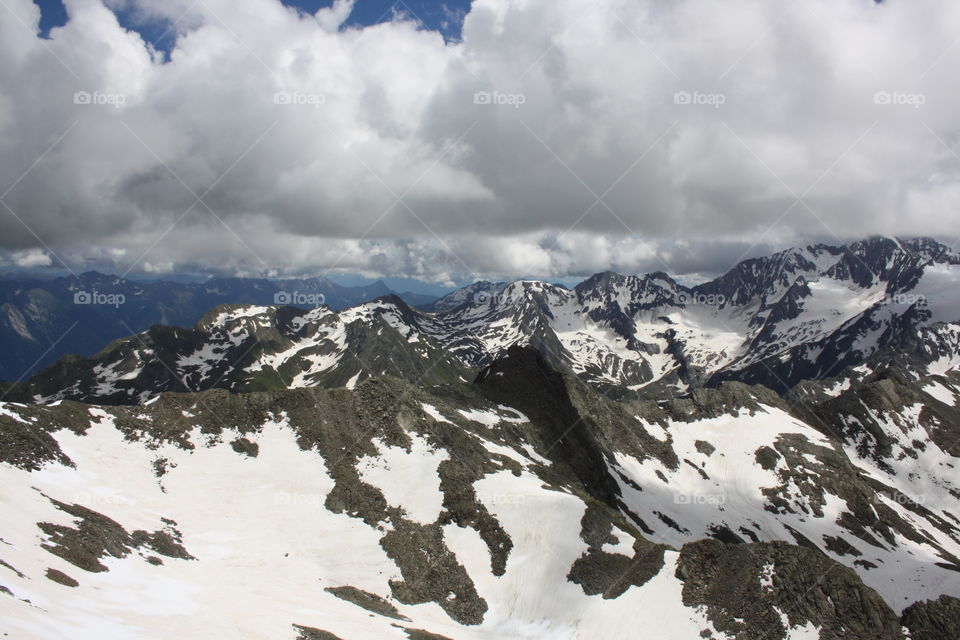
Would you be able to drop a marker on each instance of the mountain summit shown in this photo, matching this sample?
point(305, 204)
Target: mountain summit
point(802, 314)
point(772, 454)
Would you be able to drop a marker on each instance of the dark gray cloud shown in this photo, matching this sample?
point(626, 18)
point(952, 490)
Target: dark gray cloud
point(559, 138)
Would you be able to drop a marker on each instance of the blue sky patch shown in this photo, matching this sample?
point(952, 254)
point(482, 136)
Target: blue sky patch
point(445, 17)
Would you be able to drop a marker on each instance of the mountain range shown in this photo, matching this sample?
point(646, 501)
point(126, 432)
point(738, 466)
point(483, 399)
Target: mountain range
point(803, 314)
point(41, 320)
point(770, 455)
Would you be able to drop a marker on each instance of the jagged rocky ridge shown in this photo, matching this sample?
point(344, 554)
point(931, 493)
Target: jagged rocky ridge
point(254, 348)
point(42, 320)
point(520, 461)
point(524, 505)
point(803, 314)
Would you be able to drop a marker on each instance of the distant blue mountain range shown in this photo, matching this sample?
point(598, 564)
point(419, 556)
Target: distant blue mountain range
point(44, 319)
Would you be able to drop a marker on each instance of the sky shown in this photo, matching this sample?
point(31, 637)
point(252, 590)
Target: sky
point(450, 142)
point(444, 17)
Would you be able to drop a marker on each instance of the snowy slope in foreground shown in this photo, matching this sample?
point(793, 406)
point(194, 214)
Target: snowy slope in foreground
point(764, 475)
point(266, 548)
point(374, 513)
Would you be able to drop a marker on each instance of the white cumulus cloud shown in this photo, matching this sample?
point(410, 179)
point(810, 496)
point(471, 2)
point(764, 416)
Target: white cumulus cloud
point(558, 138)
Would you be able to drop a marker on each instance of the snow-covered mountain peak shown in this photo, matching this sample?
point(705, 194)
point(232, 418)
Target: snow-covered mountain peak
point(802, 313)
point(232, 316)
point(530, 461)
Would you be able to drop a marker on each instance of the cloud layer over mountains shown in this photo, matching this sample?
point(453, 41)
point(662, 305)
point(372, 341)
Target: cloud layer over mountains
point(558, 138)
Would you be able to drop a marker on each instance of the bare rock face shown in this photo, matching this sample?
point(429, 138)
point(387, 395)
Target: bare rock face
point(933, 620)
point(763, 589)
point(96, 536)
point(520, 460)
